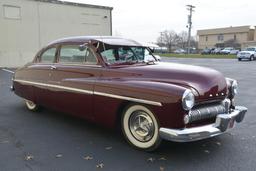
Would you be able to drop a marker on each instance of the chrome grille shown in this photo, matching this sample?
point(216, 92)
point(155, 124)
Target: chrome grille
point(208, 111)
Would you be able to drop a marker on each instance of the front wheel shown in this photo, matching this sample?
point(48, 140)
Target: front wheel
point(252, 58)
point(140, 127)
point(31, 105)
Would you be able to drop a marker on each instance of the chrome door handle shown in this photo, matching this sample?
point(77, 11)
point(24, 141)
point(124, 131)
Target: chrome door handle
point(53, 67)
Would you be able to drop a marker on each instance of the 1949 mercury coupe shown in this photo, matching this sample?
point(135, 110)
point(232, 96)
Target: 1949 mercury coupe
point(114, 81)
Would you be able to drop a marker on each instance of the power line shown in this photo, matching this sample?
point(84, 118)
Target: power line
point(191, 10)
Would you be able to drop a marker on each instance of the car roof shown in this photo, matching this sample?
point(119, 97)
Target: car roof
point(104, 39)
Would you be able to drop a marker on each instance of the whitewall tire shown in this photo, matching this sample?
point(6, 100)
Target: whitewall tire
point(140, 127)
point(31, 105)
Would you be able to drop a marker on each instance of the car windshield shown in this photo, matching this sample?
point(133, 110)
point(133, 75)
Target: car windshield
point(125, 54)
point(250, 49)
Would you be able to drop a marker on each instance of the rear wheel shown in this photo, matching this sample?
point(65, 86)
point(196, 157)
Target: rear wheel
point(140, 127)
point(31, 105)
point(239, 59)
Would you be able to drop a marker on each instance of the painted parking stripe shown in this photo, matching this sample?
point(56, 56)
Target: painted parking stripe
point(7, 70)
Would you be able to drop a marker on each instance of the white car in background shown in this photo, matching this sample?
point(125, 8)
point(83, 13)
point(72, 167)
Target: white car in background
point(249, 53)
point(226, 50)
point(234, 52)
point(179, 51)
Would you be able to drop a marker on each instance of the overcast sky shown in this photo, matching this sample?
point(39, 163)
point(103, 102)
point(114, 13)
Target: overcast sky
point(143, 20)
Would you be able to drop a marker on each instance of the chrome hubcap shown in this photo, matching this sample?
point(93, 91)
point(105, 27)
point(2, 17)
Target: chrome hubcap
point(141, 126)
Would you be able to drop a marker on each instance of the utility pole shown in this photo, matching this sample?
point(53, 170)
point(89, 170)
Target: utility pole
point(191, 10)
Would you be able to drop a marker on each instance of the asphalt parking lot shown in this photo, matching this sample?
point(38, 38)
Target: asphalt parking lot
point(49, 140)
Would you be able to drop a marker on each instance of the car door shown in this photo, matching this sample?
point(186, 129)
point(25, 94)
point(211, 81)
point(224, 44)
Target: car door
point(40, 73)
point(74, 76)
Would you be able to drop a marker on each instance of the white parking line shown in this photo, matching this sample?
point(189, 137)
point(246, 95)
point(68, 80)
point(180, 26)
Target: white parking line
point(7, 70)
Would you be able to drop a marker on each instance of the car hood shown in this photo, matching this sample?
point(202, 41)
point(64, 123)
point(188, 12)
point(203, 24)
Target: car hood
point(209, 83)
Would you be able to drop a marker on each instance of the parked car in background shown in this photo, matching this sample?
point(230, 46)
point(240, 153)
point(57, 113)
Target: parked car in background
point(193, 50)
point(179, 51)
point(216, 51)
point(249, 54)
point(226, 50)
point(206, 51)
point(234, 52)
point(107, 80)
point(161, 50)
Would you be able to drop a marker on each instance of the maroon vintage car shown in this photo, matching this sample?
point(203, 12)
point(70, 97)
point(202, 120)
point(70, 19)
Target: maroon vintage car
point(113, 81)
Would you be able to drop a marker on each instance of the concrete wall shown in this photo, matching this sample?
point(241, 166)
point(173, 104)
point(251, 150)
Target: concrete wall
point(41, 22)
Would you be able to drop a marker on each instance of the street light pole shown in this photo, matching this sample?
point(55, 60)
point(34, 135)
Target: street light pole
point(190, 9)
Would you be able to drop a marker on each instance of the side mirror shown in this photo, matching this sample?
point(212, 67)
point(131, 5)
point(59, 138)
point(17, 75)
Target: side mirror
point(82, 47)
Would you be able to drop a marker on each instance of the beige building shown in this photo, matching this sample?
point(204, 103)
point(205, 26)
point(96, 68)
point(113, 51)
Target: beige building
point(243, 35)
point(28, 25)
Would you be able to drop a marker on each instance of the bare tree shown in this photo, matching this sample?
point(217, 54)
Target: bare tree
point(183, 39)
point(168, 38)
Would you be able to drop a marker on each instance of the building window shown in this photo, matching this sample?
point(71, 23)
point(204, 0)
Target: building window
point(235, 37)
point(206, 38)
point(220, 37)
point(12, 12)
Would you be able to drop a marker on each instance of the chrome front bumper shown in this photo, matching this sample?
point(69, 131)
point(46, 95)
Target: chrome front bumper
point(222, 124)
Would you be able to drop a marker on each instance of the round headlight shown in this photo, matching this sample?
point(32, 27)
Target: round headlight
point(234, 88)
point(188, 100)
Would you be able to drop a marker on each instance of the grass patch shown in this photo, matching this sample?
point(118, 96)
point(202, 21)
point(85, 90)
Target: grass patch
point(172, 55)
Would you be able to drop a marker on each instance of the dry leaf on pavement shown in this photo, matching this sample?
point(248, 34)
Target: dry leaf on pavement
point(100, 165)
point(151, 159)
point(58, 155)
point(162, 158)
point(108, 148)
point(207, 151)
point(161, 168)
point(88, 158)
point(29, 157)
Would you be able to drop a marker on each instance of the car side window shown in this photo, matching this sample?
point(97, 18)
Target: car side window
point(75, 55)
point(109, 55)
point(125, 54)
point(48, 56)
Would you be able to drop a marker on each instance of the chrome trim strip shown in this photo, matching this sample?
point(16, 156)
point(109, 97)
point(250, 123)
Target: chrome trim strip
point(129, 98)
point(90, 92)
point(7, 70)
point(69, 64)
point(82, 65)
point(54, 86)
